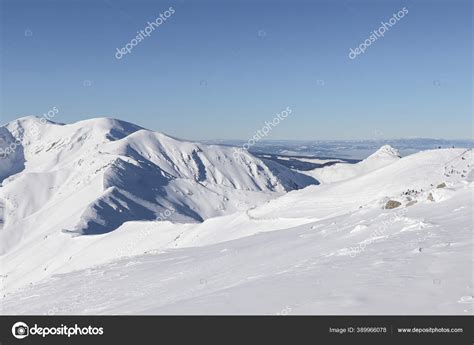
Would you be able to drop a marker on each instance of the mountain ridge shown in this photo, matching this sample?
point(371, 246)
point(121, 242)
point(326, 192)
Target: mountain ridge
point(137, 174)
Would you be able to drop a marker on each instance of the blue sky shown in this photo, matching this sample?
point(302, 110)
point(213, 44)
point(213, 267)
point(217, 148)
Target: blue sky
point(220, 69)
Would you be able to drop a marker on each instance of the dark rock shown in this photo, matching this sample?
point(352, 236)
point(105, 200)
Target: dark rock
point(392, 204)
point(430, 197)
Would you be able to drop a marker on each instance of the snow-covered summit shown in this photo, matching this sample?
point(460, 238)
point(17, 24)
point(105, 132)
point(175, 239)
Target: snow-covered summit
point(342, 171)
point(94, 175)
point(386, 151)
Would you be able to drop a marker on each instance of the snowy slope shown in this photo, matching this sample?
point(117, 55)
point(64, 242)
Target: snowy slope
point(411, 260)
point(332, 233)
point(417, 173)
point(197, 230)
point(343, 171)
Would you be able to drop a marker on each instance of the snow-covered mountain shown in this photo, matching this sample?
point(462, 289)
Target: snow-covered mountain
point(339, 249)
point(342, 171)
point(92, 176)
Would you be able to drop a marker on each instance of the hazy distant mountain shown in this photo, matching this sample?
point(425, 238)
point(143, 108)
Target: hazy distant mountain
point(347, 149)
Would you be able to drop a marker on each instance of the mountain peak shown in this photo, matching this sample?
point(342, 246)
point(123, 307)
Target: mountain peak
point(386, 151)
point(108, 122)
point(30, 120)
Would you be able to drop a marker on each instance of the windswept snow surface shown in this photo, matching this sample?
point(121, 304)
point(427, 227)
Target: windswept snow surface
point(324, 249)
